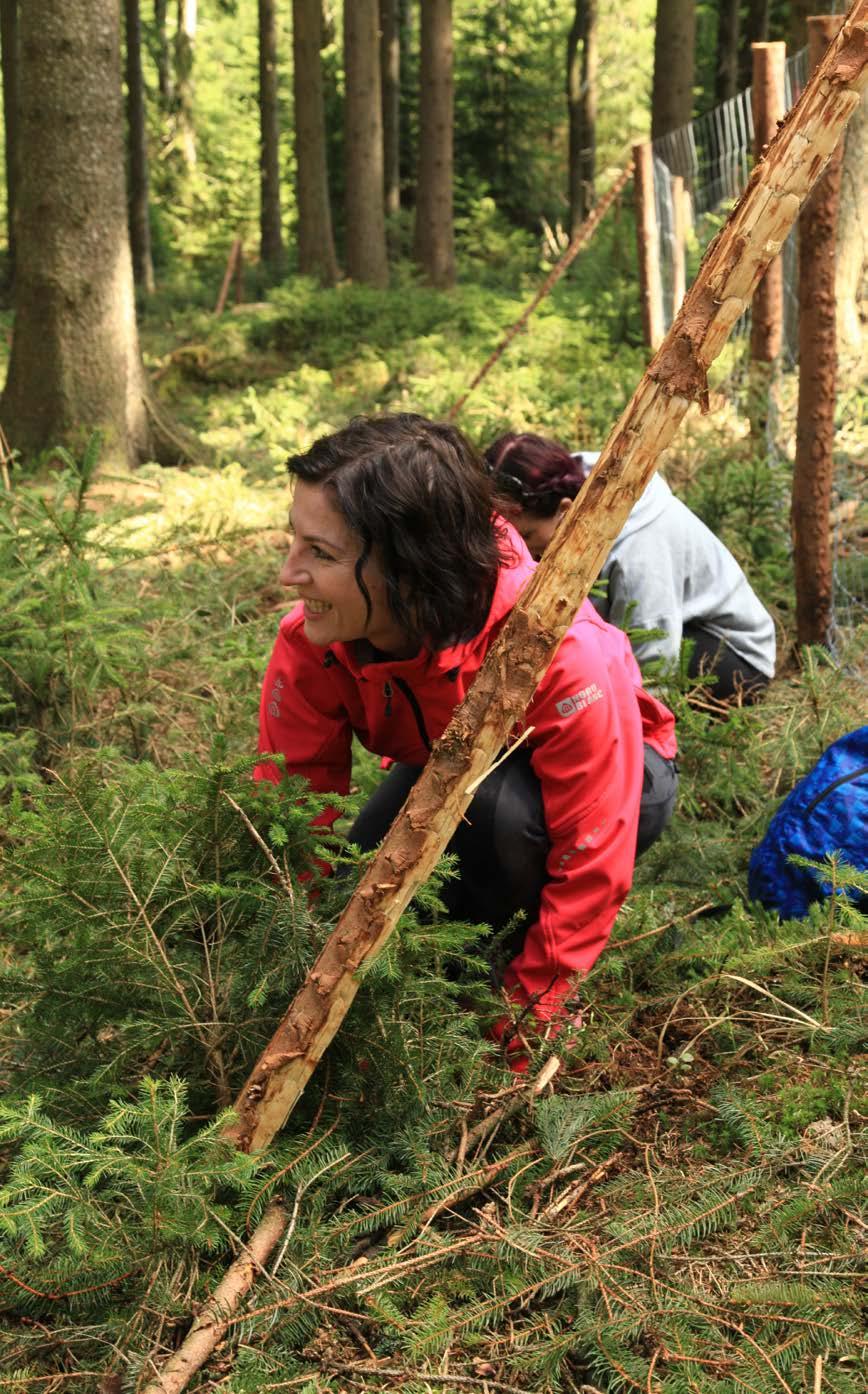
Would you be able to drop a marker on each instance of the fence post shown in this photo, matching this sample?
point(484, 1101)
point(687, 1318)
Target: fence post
point(679, 242)
point(818, 364)
point(648, 244)
point(768, 102)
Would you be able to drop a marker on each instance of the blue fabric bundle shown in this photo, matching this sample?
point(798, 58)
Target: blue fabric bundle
point(826, 812)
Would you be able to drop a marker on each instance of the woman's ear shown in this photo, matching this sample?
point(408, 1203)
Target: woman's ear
point(563, 507)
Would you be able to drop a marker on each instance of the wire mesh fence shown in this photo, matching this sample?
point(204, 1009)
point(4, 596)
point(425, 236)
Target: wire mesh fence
point(707, 163)
point(713, 156)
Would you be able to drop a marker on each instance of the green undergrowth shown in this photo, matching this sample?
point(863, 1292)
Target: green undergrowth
point(273, 375)
point(679, 1211)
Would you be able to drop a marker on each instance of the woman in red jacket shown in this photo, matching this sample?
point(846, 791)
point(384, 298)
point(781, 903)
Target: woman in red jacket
point(404, 577)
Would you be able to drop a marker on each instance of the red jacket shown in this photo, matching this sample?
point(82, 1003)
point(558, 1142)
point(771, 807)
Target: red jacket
point(590, 715)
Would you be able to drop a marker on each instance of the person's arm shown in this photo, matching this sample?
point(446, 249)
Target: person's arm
point(587, 754)
point(302, 719)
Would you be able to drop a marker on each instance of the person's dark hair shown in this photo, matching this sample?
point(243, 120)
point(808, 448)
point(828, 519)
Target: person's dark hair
point(417, 494)
point(533, 471)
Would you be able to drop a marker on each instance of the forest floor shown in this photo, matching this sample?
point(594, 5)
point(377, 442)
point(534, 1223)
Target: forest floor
point(679, 1210)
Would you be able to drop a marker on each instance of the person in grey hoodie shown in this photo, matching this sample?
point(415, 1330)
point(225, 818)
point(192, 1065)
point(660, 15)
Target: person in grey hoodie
point(667, 572)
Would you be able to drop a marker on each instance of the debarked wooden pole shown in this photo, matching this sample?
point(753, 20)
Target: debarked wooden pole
point(675, 378)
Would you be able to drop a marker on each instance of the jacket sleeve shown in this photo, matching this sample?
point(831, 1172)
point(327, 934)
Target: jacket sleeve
point(301, 717)
point(587, 754)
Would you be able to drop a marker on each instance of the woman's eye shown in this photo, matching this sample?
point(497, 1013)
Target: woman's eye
point(320, 554)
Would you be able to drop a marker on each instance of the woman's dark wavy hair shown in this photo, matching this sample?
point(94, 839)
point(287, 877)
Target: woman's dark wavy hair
point(417, 494)
point(533, 471)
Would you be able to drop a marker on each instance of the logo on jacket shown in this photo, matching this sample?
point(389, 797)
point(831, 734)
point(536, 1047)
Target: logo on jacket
point(274, 704)
point(579, 700)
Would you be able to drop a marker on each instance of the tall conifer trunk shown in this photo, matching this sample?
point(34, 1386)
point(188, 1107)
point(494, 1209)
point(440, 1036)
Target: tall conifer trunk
point(674, 43)
point(270, 238)
point(366, 224)
point(434, 246)
point(165, 85)
point(390, 82)
point(9, 59)
point(726, 70)
point(139, 211)
point(582, 110)
point(75, 361)
point(754, 31)
point(185, 40)
point(316, 248)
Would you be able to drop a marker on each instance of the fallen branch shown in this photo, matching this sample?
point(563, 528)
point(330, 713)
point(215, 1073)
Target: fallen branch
point(578, 244)
point(211, 1324)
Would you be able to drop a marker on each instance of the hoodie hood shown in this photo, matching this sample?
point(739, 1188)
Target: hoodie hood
point(647, 508)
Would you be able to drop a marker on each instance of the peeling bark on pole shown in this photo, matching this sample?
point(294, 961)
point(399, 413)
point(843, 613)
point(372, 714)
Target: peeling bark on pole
point(648, 245)
point(675, 378)
point(769, 105)
point(818, 367)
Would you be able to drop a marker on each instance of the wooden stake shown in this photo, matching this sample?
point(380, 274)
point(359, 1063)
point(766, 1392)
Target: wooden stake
point(498, 699)
point(231, 263)
point(818, 367)
point(648, 245)
point(769, 106)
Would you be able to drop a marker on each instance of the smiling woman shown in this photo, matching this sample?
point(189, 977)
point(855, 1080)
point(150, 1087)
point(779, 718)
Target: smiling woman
point(404, 576)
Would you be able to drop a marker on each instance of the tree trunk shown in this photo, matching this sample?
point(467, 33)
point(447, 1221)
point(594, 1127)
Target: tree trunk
point(9, 60)
point(139, 210)
point(674, 44)
point(851, 263)
point(185, 40)
point(726, 70)
point(390, 84)
point(75, 361)
point(797, 22)
point(498, 699)
point(818, 367)
point(755, 31)
point(366, 224)
point(165, 85)
point(316, 248)
point(270, 238)
point(434, 247)
point(582, 111)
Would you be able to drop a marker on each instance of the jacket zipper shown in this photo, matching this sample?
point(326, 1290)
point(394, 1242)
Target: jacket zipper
point(844, 779)
point(416, 709)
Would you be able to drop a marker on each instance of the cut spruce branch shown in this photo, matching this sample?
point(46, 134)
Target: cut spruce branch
point(213, 1320)
point(498, 699)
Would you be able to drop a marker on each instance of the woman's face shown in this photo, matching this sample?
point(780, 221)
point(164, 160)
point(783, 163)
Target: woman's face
point(537, 532)
point(320, 568)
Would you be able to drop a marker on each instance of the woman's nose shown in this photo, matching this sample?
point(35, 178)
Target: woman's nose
point(292, 573)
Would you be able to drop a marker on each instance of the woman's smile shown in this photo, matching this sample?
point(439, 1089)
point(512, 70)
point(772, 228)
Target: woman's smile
point(341, 602)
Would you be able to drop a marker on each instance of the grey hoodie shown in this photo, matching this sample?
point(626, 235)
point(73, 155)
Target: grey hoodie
point(672, 570)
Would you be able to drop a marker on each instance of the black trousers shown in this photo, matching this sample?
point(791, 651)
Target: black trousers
point(502, 844)
point(732, 675)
